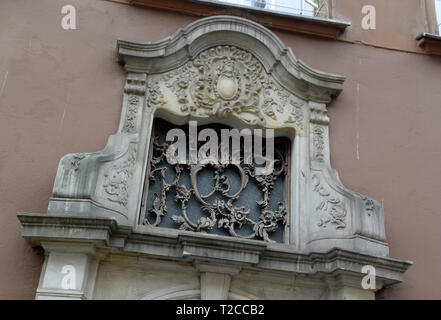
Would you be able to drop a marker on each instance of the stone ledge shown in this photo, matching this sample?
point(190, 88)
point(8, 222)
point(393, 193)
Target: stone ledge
point(57, 294)
point(321, 27)
point(188, 246)
point(431, 43)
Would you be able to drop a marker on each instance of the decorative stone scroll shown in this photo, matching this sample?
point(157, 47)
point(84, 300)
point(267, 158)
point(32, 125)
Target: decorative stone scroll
point(331, 210)
point(117, 181)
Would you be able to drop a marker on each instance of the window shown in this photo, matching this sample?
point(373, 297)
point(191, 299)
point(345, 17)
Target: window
point(226, 199)
point(303, 7)
point(438, 15)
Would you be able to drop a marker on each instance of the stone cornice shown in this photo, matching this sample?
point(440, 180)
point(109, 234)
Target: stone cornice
point(431, 43)
point(320, 27)
point(106, 234)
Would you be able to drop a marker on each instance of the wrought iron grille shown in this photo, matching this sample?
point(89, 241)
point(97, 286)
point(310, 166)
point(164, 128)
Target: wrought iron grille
point(224, 199)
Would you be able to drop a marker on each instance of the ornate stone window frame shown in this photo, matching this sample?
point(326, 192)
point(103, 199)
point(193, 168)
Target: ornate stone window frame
point(95, 207)
point(310, 89)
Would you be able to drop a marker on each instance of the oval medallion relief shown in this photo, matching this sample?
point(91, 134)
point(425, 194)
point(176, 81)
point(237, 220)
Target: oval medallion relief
point(226, 87)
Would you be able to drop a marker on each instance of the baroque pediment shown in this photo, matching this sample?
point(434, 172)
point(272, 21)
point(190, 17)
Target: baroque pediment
point(226, 81)
point(256, 42)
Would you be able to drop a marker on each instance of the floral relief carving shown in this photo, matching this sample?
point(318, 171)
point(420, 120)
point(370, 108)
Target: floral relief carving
point(118, 177)
point(155, 97)
point(131, 115)
point(331, 209)
point(227, 80)
point(318, 141)
point(296, 115)
point(178, 81)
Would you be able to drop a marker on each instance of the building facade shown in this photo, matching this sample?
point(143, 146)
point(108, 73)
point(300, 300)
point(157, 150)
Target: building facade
point(341, 82)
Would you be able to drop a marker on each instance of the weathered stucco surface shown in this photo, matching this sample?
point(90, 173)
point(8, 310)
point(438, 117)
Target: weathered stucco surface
point(384, 131)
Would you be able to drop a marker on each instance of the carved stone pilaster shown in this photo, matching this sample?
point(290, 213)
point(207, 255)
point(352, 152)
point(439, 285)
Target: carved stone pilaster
point(318, 113)
point(130, 123)
point(319, 134)
point(135, 84)
point(134, 93)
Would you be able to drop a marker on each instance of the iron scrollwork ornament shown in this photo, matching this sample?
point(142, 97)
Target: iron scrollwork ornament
point(221, 213)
